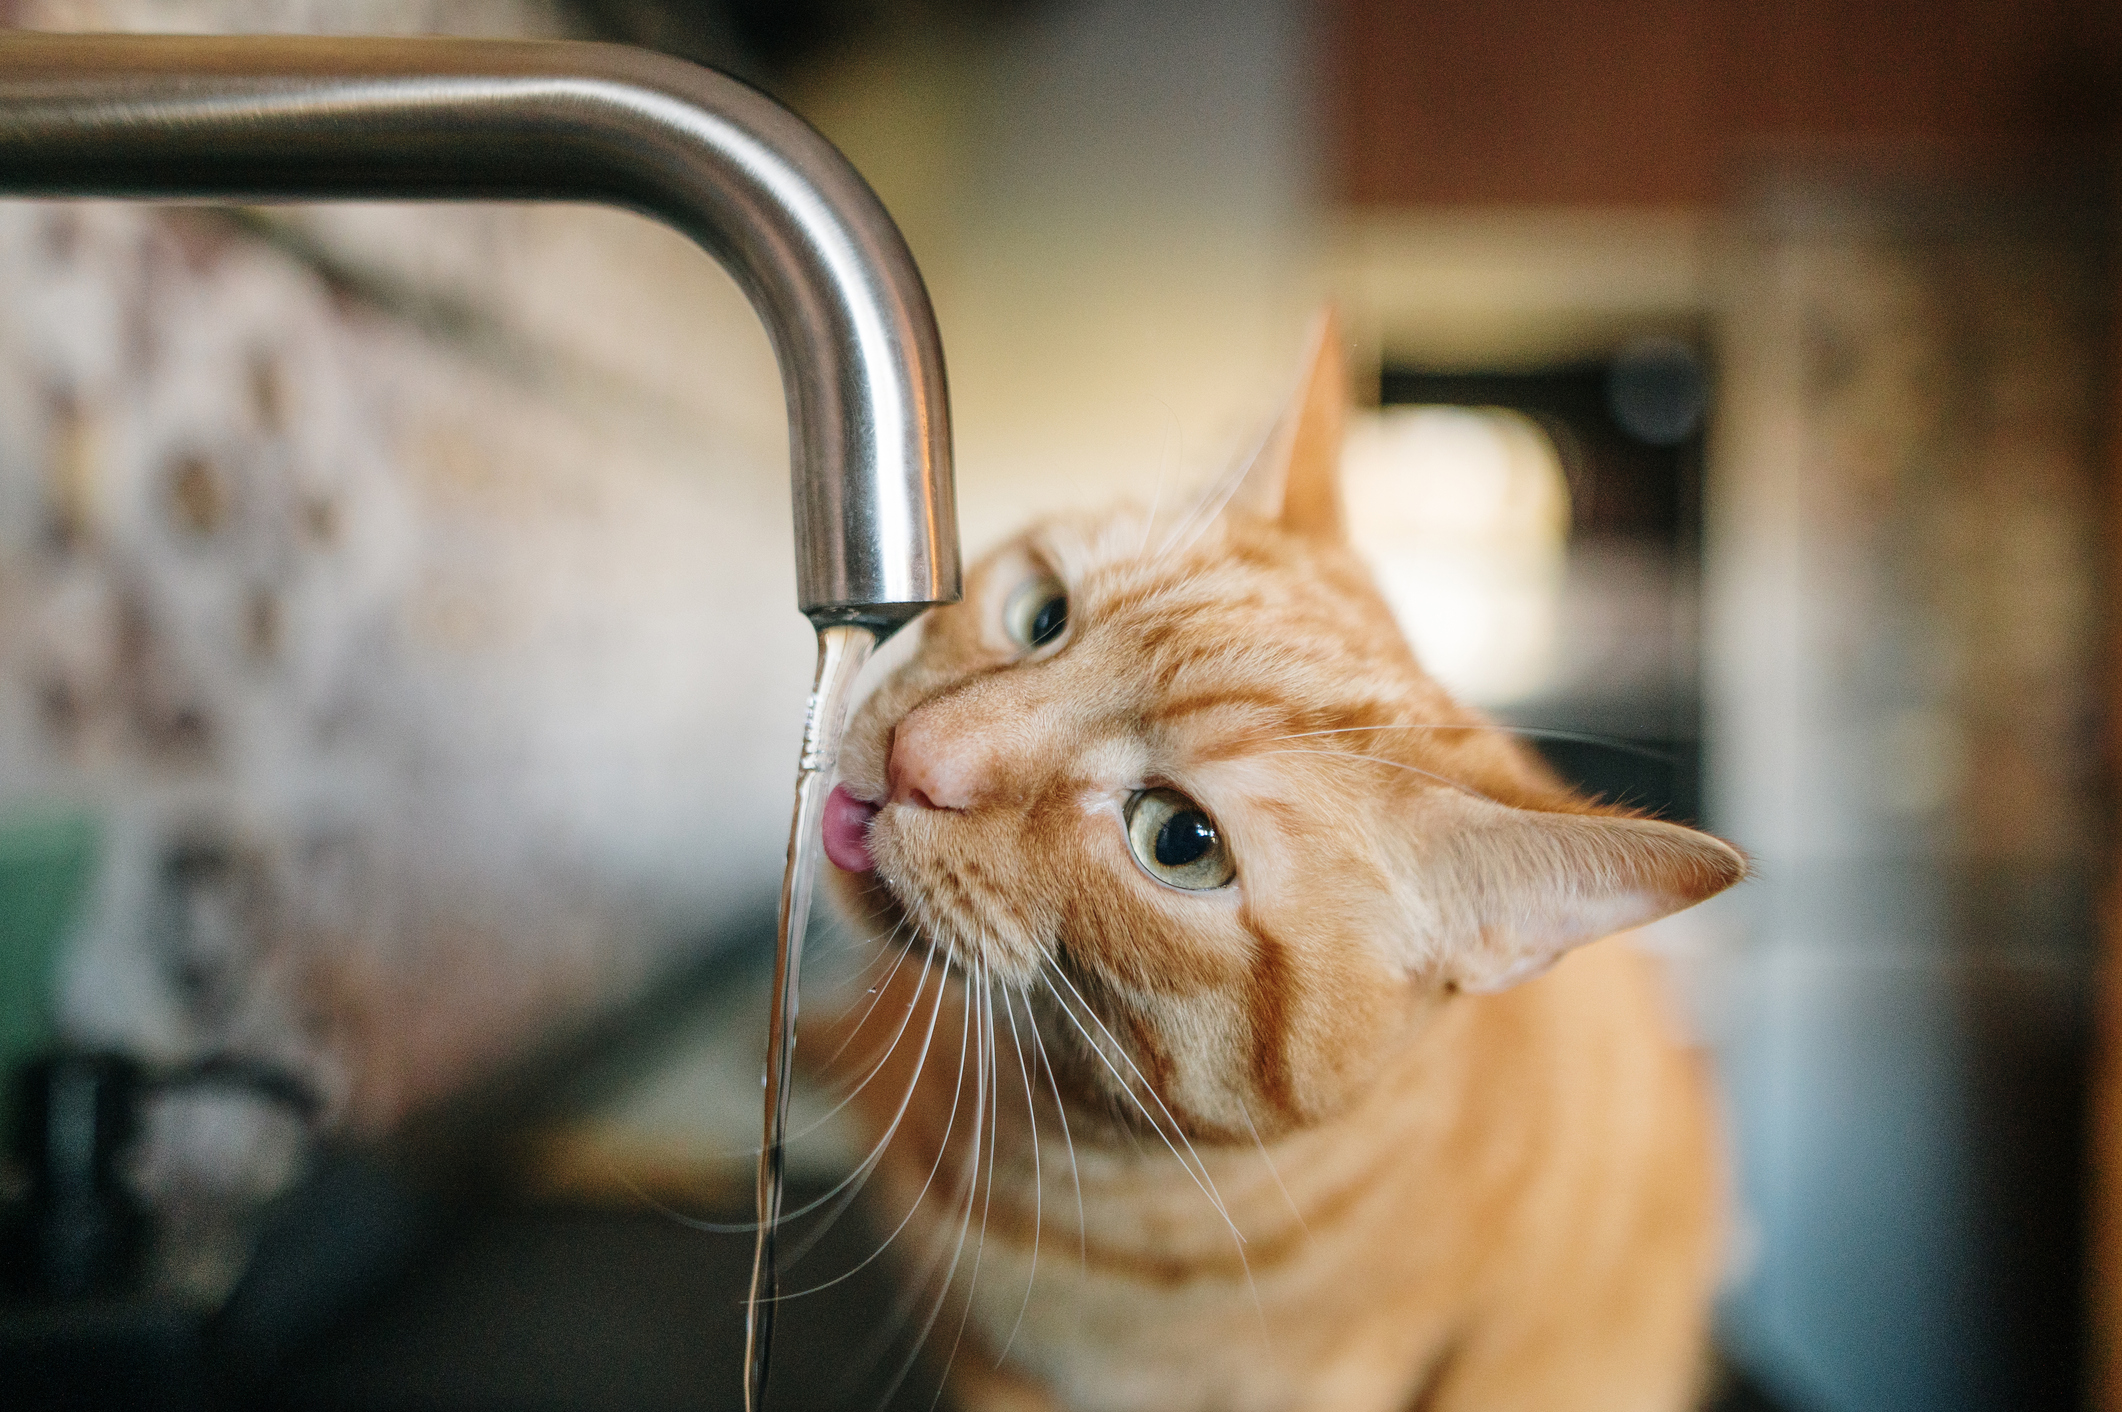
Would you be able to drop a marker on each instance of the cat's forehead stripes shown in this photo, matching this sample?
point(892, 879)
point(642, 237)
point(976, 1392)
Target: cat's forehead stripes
point(1243, 642)
point(1242, 639)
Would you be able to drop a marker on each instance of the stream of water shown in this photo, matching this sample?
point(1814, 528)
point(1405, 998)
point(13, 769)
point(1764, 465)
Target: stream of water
point(842, 651)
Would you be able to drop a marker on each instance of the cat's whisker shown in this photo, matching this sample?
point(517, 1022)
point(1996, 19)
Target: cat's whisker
point(1615, 743)
point(1121, 1082)
point(873, 943)
point(1203, 1179)
point(882, 986)
point(1208, 1182)
point(855, 1177)
point(965, 1226)
point(915, 1281)
point(1199, 1175)
point(888, 951)
point(1031, 1114)
point(1352, 756)
point(1211, 505)
point(1186, 521)
point(913, 1284)
point(749, 1227)
point(987, 1200)
point(877, 1152)
point(664, 1209)
point(859, 1177)
point(1246, 1109)
point(918, 1282)
point(912, 1005)
point(874, 948)
point(1164, 465)
point(984, 1108)
point(1068, 1141)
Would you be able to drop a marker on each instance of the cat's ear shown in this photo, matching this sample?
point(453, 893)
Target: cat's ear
point(1512, 890)
point(1295, 481)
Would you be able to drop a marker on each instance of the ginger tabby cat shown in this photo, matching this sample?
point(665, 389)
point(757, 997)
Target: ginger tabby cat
point(1220, 1064)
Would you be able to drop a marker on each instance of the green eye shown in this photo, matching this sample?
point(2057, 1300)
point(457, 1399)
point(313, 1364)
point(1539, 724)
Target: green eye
point(1037, 613)
point(1176, 842)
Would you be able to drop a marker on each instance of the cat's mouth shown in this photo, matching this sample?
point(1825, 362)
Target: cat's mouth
point(846, 830)
point(911, 875)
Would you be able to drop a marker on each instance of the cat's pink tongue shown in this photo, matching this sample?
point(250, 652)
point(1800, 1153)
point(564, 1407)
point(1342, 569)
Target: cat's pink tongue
point(847, 831)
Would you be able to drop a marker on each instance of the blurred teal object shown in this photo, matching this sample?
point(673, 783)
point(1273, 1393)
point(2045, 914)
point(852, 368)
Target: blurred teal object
point(45, 862)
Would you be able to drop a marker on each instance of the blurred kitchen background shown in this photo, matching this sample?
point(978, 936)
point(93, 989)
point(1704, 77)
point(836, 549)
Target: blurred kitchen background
point(400, 677)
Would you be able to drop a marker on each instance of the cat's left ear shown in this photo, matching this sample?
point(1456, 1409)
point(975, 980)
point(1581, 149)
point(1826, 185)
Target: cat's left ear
point(1295, 481)
point(1510, 891)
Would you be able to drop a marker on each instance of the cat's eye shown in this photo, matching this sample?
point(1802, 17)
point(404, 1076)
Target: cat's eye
point(1037, 613)
point(1176, 841)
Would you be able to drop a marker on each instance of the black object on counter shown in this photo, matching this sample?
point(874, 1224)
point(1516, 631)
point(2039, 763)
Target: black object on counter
point(81, 1231)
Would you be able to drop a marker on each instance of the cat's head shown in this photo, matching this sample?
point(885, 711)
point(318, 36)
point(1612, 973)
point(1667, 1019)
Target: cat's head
point(1191, 778)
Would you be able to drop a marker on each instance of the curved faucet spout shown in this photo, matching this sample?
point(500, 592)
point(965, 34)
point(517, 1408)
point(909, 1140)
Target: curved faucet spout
point(307, 119)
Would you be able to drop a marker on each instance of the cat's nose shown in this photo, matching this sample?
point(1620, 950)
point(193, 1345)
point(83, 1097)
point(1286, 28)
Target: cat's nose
point(935, 764)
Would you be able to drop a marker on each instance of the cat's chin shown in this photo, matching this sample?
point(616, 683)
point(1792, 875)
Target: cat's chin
point(846, 829)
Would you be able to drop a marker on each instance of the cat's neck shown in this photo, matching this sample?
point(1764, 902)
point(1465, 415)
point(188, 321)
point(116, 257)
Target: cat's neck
point(1144, 1177)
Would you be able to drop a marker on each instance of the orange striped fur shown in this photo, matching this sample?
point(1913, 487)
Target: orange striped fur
point(1338, 1135)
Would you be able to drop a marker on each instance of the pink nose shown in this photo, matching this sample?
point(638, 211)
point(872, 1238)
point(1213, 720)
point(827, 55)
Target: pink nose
point(935, 763)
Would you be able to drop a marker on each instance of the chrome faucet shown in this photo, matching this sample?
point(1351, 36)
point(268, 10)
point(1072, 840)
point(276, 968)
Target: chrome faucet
point(273, 119)
point(310, 119)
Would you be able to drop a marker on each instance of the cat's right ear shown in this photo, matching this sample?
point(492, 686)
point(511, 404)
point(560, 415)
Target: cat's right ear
point(1295, 481)
point(1508, 891)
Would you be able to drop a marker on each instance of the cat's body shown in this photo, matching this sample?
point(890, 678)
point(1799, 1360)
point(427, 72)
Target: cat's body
point(1486, 1227)
point(1335, 1146)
